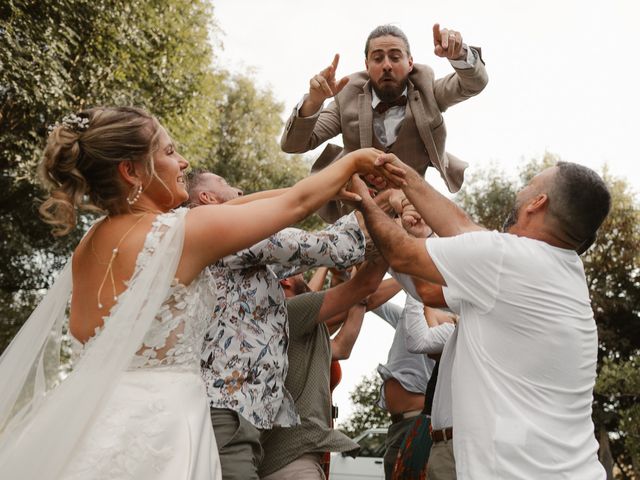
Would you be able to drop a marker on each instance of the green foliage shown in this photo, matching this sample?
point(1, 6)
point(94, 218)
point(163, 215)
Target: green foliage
point(246, 153)
point(619, 381)
point(243, 147)
point(61, 56)
point(366, 414)
point(612, 266)
point(488, 197)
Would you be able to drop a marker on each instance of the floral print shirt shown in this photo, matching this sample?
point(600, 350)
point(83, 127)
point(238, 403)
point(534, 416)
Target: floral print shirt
point(244, 358)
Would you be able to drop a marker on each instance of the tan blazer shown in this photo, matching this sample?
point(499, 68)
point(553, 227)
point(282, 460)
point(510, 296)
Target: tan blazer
point(421, 139)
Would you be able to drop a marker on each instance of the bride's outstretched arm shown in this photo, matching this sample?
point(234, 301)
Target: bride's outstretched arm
point(252, 197)
point(215, 231)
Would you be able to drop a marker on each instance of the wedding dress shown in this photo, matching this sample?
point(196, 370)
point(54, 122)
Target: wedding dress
point(134, 405)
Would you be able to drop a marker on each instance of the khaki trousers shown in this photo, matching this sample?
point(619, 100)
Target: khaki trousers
point(307, 467)
point(442, 464)
point(238, 445)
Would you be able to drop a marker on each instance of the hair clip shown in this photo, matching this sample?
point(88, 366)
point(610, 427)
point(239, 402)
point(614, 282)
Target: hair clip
point(72, 122)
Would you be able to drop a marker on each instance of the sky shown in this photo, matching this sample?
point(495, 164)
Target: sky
point(563, 78)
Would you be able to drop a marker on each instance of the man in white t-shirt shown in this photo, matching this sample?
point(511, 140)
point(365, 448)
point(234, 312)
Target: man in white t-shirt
point(526, 352)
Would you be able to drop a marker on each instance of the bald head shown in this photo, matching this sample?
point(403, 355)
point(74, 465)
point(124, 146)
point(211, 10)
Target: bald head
point(206, 188)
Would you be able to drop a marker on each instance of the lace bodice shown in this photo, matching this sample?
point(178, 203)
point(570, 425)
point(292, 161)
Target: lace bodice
point(175, 336)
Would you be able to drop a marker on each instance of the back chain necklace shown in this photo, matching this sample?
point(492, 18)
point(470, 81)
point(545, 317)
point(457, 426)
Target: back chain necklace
point(114, 254)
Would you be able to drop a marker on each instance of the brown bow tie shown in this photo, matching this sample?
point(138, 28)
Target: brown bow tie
point(384, 106)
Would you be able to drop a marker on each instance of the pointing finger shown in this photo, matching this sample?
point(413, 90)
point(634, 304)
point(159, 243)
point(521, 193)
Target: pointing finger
point(336, 59)
point(327, 72)
point(436, 34)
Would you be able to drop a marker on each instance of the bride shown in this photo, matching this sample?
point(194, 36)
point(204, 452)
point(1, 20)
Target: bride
point(134, 405)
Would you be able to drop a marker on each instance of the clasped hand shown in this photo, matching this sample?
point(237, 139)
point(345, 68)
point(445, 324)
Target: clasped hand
point(380, 169)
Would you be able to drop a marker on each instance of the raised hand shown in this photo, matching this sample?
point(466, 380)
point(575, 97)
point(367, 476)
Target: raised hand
point(383, 200)
point(396, 199)
point(448, 43)
point(413, 223)
point(324, 85)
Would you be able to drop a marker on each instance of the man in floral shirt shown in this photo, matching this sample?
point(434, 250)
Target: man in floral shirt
point(244, 359)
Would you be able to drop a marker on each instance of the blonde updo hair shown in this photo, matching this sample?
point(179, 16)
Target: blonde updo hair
point(80, 162)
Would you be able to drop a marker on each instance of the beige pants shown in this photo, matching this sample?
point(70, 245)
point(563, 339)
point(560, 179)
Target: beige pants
point(442, 464)
point(307, 467)
point(238, 445)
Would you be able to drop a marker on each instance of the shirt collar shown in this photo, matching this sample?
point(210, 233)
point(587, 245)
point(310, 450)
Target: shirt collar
point(375, 100)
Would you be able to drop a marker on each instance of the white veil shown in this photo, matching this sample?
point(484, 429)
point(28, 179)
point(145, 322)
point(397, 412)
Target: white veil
point(41, 423)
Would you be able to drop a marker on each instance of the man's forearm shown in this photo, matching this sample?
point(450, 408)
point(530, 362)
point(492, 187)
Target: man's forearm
point(317, 280)
point(430, 293)
point(346, 295)
point(342, 344)
point(444, 217)
point(257, 196)
point(405, 254)
point(386, 234)
point(385, 291)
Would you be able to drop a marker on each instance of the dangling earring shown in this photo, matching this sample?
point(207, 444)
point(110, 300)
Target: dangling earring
point(136, 194)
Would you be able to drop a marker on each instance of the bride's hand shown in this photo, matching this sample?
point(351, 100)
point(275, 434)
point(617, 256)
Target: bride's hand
point(365, 159)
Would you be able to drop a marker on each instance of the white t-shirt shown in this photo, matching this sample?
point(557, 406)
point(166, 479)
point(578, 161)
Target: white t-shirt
point(525, 360)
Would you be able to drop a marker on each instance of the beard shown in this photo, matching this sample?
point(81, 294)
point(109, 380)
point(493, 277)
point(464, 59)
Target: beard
point(388, 92)
point(300, 287)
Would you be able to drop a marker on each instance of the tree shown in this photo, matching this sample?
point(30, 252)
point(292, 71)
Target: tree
point(246, 153)
point(61, 56)
point(366, 414)
point(244, 150)
point(612, 266)
point(618, 389)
